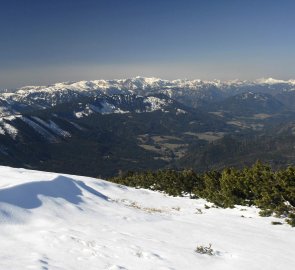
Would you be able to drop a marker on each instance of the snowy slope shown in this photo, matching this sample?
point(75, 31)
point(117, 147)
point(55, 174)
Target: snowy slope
point(52, 221)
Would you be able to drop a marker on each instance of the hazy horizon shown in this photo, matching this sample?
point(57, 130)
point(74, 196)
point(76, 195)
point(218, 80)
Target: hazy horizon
point(45, 83)
point(43, 42)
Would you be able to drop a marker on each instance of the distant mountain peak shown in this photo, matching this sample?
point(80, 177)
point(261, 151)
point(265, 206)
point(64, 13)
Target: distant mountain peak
point(273, 81)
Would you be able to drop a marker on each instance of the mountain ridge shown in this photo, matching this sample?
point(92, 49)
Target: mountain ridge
point(144, 82)
point(193, 93)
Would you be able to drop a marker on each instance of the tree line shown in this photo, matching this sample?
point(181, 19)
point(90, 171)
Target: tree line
point(272, 191)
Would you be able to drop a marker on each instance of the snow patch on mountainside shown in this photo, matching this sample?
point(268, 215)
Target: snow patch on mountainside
point(251, 95)
point(80, 114)
point(10, 118)
point(76, 125)
point(53, 127)
point(2, 131)
point(39, 129)
point(7, 128)
point(12, 131)
point(156, 103)
point(180, 111)
point(106, 108)
point(54, 221)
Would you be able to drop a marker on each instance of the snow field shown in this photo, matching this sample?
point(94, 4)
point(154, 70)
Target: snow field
point(54, 221)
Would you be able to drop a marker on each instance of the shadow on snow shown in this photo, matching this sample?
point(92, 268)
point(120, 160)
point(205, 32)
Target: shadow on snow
point(26, 195)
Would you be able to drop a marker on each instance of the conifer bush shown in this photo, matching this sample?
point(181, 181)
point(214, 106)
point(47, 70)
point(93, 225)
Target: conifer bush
point(272, 191)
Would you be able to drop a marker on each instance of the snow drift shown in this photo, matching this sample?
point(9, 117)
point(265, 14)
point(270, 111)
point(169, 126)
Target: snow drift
point(53, 221)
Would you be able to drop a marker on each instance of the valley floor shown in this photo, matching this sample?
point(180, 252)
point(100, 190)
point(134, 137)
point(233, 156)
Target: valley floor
point(54, 221)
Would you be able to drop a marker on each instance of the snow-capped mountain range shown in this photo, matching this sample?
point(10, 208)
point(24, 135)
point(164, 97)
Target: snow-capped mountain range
point(190, 92)
point(138, 95)
point(133, 85)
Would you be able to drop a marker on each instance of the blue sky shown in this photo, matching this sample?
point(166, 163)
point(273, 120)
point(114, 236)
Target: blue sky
point(42, 42)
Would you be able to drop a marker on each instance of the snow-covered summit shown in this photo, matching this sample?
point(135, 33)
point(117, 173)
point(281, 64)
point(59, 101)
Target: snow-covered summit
point(54, 221)
point(140, 83)
point(274, 81)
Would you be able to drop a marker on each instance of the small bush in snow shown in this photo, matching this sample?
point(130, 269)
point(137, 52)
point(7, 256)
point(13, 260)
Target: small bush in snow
point(265, 213)
point(276, 223)
point(291, 219)
point(199, 211)
point(205, 250)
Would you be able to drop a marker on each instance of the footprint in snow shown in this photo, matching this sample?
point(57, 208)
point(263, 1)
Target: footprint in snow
point(44, 263)
point(117, 267)
point(137, 251)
